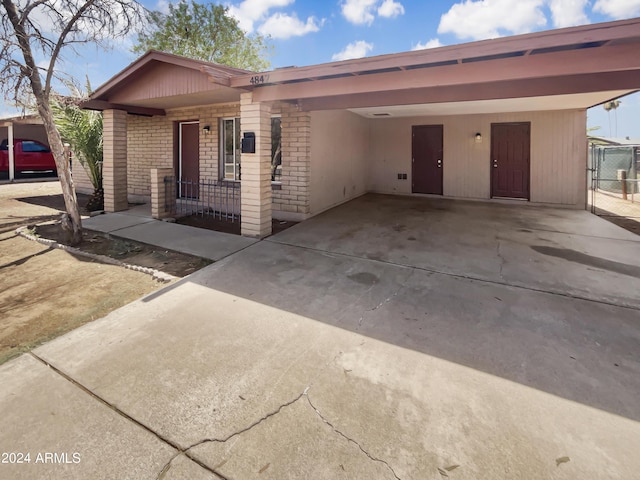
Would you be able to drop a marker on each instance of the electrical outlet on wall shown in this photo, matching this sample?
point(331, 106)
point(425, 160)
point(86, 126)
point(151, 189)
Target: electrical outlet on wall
point(404, 176)
point(399, 176)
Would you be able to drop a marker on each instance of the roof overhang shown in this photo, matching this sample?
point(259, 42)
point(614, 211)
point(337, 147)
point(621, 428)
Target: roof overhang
point(21, 120)
point(160, 81)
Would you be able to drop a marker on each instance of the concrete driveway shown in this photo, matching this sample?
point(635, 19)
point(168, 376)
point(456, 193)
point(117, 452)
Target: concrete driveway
point(390, 337)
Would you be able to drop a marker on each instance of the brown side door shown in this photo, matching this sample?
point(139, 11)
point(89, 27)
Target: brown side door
point(510, 158)
point(426, 152)
point(189, 159)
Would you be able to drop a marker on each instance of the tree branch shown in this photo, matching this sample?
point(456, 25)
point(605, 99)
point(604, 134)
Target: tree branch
point(61, 42)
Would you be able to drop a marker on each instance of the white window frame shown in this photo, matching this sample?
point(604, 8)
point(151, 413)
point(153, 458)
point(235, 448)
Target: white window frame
point(278, 115)
point(236, 150)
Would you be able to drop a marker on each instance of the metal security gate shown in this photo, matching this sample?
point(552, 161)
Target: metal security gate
point(213, 198)
point(614, 188)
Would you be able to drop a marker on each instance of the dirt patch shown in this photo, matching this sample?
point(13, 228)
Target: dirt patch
point(47, 292)
point(128, 251)
point(227, 226)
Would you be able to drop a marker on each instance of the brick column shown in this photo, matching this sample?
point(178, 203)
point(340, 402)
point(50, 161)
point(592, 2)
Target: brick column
point(255, 190)
point(114, 164)
point(163, 193)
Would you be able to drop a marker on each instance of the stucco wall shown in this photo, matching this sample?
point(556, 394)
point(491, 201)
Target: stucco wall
point(340, 145)
point(558, 153)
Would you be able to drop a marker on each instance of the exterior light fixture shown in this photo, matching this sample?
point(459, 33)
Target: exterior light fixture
point(478, 137)
point(206, 129)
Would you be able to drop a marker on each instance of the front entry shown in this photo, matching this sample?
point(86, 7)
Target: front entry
point(189, 159)
point(510, 160)
point(426, 166)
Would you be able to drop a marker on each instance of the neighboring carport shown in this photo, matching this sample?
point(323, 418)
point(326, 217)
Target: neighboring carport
point(24, 126)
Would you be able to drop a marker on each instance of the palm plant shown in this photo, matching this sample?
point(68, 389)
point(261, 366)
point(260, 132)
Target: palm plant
point(82, 130)
point(612, 105)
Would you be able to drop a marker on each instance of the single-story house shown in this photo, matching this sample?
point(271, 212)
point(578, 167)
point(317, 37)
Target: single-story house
point(498, 120)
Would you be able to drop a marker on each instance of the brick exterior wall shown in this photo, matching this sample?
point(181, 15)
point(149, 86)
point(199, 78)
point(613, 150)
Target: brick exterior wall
point(292, 200)
point(151, 144)
point(81, 180)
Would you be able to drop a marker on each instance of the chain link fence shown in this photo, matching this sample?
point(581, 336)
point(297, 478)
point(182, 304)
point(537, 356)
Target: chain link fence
point(614, 188)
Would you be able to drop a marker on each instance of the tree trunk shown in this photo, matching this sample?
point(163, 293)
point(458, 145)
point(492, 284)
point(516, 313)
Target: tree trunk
point(73, 226)
point(71, 220)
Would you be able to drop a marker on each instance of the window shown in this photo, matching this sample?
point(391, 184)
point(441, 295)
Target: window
point(230, 147)
point(276, 149)
point(34, 147)
point(230, 135)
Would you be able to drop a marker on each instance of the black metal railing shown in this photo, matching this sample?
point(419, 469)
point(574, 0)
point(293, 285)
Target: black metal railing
point(216, 198)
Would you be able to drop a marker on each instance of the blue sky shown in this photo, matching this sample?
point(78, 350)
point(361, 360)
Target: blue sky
point(305, 32)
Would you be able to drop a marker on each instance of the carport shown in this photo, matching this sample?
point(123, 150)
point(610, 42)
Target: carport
point(501, 119)
point(24, 126)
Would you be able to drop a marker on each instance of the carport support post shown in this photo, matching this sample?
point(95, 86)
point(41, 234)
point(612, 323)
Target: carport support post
point(114, 165)
point(255, 183)
point(12, 156)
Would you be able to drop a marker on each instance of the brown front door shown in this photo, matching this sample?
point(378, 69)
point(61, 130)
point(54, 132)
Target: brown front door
point(189, 159)
point(426, 151)
point(510, 160)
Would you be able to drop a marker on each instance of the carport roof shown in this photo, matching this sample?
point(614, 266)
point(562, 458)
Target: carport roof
point(579, 66)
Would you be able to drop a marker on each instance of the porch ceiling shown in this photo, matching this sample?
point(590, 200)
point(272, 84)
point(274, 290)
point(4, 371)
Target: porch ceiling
point(531, 104)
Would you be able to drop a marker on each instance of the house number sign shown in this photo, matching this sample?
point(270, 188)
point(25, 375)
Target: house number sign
point(259, 79)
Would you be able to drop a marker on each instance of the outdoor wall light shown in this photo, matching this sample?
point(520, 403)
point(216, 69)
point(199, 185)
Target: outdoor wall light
point(206, 129)
point(478, 137)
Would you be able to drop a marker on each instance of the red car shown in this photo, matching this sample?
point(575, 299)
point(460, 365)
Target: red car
point(29, 155)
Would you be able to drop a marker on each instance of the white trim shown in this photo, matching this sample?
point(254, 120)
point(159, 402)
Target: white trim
point(236, 163)
point(12, 156)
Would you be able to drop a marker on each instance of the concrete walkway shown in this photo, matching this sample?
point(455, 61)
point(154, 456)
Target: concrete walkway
point(137, 224)
point(332, 359)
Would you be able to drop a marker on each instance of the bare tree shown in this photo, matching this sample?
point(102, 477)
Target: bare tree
point(43, 29)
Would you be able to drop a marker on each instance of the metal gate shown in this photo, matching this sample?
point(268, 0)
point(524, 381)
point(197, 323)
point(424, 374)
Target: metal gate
point(614, 188)
point(213, 198)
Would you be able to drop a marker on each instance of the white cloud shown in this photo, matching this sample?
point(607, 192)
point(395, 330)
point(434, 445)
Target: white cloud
point(479, 19)
point(356, 49)
point(359, 12)
point(568, 13)
point(162, 6)
point(250, 11)
point(281, 25)
point(618, 8)
point(433, 43)
point(390, 9)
